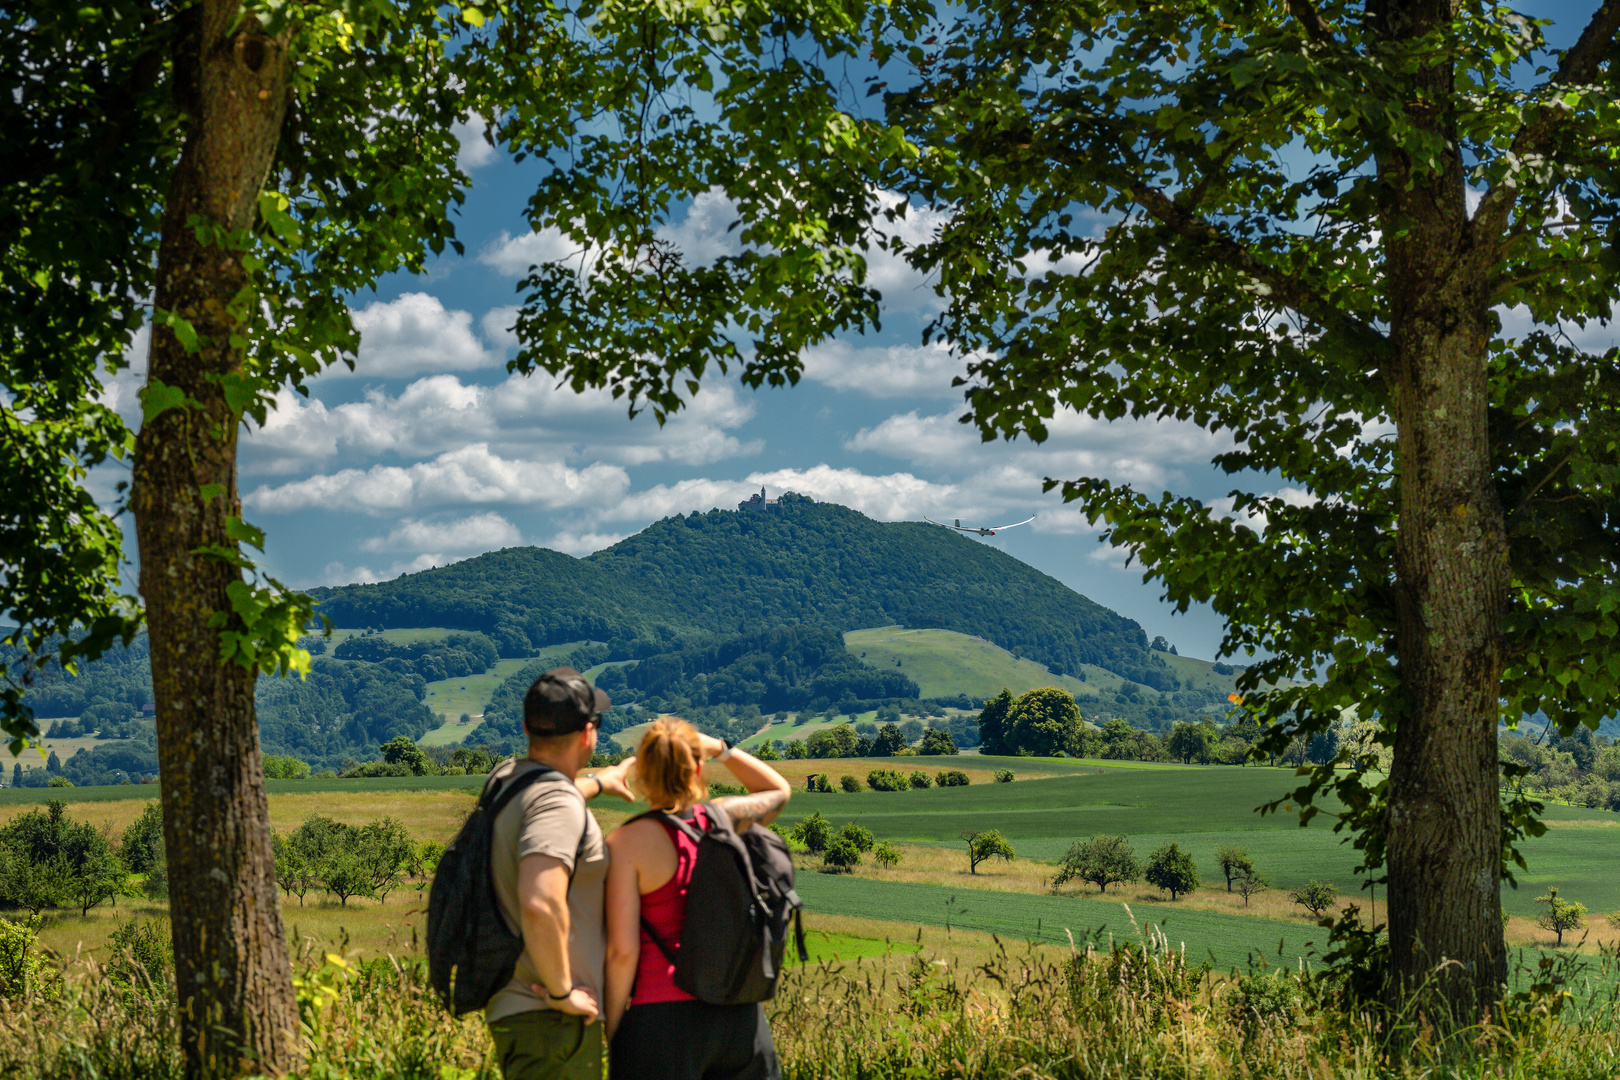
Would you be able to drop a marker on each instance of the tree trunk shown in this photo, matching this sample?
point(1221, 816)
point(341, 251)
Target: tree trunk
point(1443, 827)
point(235, 988)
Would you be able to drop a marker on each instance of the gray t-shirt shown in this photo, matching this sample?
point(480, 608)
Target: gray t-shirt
point(550, 818)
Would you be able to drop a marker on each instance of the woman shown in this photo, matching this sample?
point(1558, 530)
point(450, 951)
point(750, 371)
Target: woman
point(658, 1031)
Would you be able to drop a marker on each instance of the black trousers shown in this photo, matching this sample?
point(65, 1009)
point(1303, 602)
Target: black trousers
point(688, 1040)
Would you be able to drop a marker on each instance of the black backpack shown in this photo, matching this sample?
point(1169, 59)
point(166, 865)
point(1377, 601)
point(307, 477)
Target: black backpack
point(471, 951)
point(738, 906)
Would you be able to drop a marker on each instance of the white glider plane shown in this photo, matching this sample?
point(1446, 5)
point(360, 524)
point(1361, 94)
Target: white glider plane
point(981, 530)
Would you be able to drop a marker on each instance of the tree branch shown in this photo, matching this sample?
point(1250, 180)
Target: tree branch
point(1579, 66)
point(1316, 27)
point(1285, 289)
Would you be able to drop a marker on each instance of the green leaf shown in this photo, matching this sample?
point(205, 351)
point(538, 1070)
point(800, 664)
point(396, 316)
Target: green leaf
point(158, 398)
point(181, 327)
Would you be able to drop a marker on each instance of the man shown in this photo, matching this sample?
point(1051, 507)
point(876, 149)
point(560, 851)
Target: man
point(550, 865)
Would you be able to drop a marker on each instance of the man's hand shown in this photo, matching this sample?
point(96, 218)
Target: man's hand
point(579, 1002)
point(613, 779)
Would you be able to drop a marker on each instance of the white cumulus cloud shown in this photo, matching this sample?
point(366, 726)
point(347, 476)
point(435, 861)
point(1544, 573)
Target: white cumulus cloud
point(412, 335)
point(468, 476)
point(886, 371)
point(477, 533)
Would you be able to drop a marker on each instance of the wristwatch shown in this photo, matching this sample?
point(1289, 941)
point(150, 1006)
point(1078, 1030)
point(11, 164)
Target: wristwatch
point(724, 754)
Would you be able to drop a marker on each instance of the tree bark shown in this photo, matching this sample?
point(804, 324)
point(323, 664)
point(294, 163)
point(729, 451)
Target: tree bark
point(234, 982)
point(1452, 576)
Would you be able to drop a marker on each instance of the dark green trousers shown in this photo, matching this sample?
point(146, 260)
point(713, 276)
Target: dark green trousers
point(544, 1044)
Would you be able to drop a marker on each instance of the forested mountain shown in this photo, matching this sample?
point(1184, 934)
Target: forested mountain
point(728, 613)
point(689, 578)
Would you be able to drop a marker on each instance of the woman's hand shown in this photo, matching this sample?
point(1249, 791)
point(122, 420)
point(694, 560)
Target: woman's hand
point(711, 746)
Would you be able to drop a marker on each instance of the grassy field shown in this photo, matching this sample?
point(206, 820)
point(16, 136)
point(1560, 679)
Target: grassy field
point(943, 663)
point(468, 694)
point(1052, 804)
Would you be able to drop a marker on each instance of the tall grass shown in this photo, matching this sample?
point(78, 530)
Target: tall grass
point(1122, 1010)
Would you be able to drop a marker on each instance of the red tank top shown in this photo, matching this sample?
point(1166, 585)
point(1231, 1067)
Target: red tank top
point(664, 909)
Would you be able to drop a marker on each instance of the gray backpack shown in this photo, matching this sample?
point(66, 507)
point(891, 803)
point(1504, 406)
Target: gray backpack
point(738, 906)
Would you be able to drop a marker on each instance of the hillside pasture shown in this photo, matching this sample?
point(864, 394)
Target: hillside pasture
point(468, 694)
point(944, 663)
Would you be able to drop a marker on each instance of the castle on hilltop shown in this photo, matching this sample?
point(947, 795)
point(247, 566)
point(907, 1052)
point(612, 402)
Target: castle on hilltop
point(767, 506)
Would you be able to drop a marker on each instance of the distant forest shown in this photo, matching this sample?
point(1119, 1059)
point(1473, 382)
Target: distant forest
point(725, 615)
point(728, 572)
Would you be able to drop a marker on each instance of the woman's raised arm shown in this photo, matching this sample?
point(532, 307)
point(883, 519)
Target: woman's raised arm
point(768, 792)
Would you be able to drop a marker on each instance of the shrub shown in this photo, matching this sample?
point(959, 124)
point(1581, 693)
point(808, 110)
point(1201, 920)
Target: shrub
point(25, 968)
point(1258, 1000)
point(937, 742)
point(886, 780)
point(953, 778)
point(277, 767)
point(59, 781)
point(849, 784)
point(920, 779)
point(858, 835)
point(718, 789)
point(140, 956)
point(886, 855)
point(377, 768)
point(841, 856)
point(1004, 776)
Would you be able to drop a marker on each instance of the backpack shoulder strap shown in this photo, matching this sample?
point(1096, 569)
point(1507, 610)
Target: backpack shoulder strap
point(503, 791)
point(497, 795)
point(664, 817)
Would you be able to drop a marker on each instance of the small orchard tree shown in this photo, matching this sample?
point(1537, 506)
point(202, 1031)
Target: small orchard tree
point(387, 851)
point(886, 855)
point(986, 845)
point(97, 877)
point(29, 885)
point(841, 855)
point(1234, 861)
point(1172, 870)
point(344, 873)
point(1248, 881)
point(1560, 915)
point(141, 839)
point(1101, 860)
point(293, 871)
point(1315, 896)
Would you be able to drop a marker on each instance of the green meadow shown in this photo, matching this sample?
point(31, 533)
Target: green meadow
point(1051, 805)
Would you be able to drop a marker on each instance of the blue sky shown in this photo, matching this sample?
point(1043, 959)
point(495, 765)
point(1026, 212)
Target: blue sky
point(429, 452)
